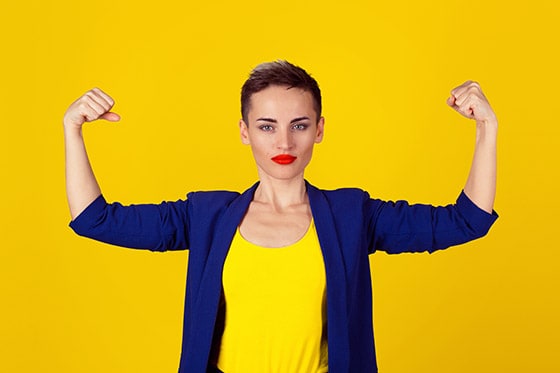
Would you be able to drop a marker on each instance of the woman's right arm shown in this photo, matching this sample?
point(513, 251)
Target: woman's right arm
point(148, 226)
point(81, 186)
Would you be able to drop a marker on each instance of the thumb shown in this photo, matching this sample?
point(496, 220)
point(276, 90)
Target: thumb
point(451, 101)
point(111, 117)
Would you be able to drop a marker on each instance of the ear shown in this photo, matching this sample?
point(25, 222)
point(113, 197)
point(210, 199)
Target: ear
point(320, 130)
point(244, 132)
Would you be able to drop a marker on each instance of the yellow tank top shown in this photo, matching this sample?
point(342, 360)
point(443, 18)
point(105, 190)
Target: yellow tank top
point(275, 308)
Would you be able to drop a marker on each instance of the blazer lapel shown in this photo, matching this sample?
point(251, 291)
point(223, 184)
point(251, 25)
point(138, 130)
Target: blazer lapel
point(209, 296)
point(337, 316)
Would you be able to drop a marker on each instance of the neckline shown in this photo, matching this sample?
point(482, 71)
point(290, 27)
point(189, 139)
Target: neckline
point(308, 231)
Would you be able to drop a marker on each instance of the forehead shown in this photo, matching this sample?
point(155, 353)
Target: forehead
point(281, 101)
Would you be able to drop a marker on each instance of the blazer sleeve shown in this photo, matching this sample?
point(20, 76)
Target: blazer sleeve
point(156, 227)
point(397, 227)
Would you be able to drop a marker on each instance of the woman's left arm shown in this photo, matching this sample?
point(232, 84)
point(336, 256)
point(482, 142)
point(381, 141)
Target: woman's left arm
point(469, 101)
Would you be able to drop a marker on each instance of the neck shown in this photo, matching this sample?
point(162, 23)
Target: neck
point(281, 193)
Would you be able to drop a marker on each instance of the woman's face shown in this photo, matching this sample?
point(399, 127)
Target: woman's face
point(282, 129)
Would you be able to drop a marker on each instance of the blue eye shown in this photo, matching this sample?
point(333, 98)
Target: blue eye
point(300, 127)
point(266, 127)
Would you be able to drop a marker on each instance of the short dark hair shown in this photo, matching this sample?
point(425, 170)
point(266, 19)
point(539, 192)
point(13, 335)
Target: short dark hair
point(278, 72)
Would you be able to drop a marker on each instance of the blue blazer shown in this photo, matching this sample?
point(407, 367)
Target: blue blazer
point(350, 226)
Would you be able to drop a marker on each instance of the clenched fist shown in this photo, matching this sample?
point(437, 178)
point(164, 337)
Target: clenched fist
point(94, 104)
point(469, 101)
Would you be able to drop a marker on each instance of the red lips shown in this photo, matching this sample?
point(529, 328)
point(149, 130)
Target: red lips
point(283, 158)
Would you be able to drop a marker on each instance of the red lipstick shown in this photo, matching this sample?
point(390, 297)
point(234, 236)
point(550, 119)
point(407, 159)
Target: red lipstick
point(283, 158)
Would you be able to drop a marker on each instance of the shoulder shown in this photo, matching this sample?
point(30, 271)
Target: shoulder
point(205, 206)
point(346, 203)
point(210, 198)
point(341, 195)
point(341, 201)
point(344, 193)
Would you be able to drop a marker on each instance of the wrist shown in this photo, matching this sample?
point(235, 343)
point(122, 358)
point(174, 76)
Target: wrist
point(71, 130)
point(487, 127)
point(487, 123)
point(70, 123)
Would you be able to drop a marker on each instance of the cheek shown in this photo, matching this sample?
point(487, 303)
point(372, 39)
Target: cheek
point(310, 144)
point(259, 147)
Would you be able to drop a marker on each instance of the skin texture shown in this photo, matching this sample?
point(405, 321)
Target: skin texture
point(468, 100)
point(81, 186)
point(281, 121)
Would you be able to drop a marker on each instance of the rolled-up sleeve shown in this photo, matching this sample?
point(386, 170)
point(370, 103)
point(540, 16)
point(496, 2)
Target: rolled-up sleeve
point(402, 227)
point(156, 227)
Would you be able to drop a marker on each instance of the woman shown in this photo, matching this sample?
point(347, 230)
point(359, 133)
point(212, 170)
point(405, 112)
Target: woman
point(278, 276)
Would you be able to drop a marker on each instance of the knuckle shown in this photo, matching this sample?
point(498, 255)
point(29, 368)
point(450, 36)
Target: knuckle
point(473, 90)
point(474, 86)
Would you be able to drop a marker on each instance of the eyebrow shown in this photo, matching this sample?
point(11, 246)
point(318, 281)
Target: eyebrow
point(271, 120)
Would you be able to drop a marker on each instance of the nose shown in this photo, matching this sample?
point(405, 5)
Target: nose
point(284, 140)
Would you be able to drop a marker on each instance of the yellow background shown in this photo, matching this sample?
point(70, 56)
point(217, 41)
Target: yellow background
point(175, 69)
